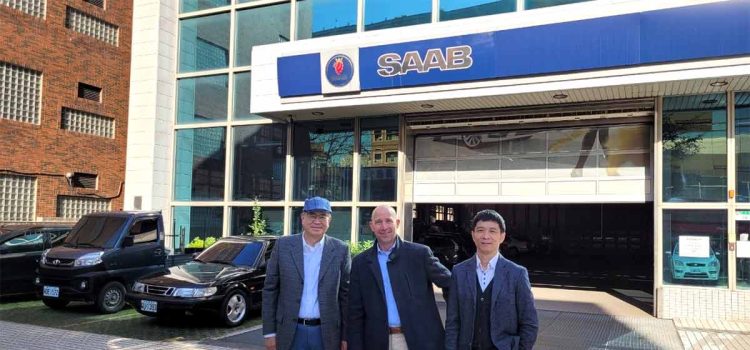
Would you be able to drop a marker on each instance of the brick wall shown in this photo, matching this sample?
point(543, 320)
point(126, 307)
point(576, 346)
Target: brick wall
point(703, 303)
point(65, 58)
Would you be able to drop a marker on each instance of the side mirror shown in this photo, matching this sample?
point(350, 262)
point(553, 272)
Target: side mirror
point(195, 255)
point(127, 242)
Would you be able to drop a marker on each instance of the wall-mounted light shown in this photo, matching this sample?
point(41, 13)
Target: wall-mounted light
point(318, 113)
point(426, 105)
point(560, 96)
point(719, 83)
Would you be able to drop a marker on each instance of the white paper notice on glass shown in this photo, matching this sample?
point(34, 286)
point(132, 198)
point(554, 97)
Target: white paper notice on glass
point(695, 246)
point(743, 249)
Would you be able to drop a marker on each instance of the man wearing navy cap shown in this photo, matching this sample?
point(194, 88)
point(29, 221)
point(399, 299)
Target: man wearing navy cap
point(307, 286)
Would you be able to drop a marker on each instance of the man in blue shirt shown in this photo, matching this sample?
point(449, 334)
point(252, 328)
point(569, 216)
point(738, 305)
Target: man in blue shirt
point(391, 301)
point(306, 286)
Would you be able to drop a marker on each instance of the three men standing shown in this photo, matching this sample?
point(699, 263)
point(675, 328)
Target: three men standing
point(391, 300)
point(490, 305)
point(306, 286)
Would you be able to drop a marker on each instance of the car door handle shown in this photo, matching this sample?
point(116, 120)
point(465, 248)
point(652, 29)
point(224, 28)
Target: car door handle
point(157, 251)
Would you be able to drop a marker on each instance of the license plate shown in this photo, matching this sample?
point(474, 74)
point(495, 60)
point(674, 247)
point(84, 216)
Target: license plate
point(148, 305)
point(695, 270)
point(53, 292)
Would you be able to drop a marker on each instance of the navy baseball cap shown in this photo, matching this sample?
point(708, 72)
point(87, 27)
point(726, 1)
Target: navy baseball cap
point(317, 204)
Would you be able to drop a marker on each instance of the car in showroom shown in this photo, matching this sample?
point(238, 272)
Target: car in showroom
point(21, 247)
point(695, 268)
point(225, 280)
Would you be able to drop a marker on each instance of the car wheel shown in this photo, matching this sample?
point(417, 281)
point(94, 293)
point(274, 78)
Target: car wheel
point(234, 308)
point(55, 303)
point(111, 298)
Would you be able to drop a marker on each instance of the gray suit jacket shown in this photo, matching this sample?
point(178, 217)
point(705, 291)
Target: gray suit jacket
point(513, 319)
point(282, 290)
point(412, 270)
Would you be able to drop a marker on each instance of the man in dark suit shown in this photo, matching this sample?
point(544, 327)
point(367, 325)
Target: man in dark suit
point(391, 301)
point(490, 305)
point(306, 287)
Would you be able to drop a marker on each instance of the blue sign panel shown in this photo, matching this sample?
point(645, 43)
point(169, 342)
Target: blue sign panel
point(672, 35)
point(339, 70)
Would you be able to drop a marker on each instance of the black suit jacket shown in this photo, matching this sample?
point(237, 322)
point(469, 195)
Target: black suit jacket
point(412, 269)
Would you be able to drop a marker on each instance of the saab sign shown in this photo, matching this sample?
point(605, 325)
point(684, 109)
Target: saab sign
point(338, 72)
point(457, 57)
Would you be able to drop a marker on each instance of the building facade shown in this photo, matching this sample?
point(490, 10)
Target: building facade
point(611, 134)
point(64, 75)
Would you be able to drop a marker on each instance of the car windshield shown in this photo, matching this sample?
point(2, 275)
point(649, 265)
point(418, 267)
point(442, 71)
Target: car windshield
point(95, 231)
point(234, 253)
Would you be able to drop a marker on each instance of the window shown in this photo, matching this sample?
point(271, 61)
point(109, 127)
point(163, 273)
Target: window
point(195, 5)
point(144, 231)
point(381, 14)
point(259, 162)
point(204, 43)
point(17, 198)
point(319, 18)
point(81, 180)
point(535, 4)
point(89, 92)
point(195, 227)
point(743, 249)
point(242, 220)
point(31, 7)
point(455, 9)
point(742, 142)
point(73, 207)
point(258, 26)
point(91, 26)
point(242, 97)
point(365, 233)
point(378, 177)
point(695, 244)
point(202, 99)
point(20, 93)
point(323, 159)
point(199, 164)
point(88, 123)
point(97, 3)
point(29, 242)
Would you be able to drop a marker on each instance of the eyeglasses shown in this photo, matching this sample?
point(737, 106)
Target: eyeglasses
point(317, 217)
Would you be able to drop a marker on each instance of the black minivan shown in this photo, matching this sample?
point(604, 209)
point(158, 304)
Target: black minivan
point(104, 253)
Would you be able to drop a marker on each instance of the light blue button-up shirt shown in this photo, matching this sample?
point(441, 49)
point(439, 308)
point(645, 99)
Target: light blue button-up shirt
point(485, 276)
point(390, 301)
point(309, 306)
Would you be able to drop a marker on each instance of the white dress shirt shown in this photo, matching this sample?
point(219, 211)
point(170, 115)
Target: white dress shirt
point(309, 306)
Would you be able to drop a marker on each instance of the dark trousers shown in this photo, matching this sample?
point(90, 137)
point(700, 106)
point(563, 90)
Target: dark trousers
point(307, 338)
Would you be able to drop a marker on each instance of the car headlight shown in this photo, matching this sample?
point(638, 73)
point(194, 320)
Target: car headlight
point(139, 287)
point(678, 263)
point(43, 260)
point(714, 263)
point(89, 259)
point(194, 292)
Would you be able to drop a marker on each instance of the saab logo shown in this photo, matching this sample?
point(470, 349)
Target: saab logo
point(455, 57)
point(339, 70)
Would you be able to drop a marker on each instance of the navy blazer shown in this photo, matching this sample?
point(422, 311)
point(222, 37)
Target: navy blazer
point(513, 319)
point(412, 269)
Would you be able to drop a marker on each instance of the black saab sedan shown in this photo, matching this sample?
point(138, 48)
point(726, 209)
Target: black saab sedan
point(225, 279)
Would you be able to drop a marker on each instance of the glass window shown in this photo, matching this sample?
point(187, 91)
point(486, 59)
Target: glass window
point(196, 5)
point(340, 226)
point(695, 244)
point(743, 249)
point(365, 233)
point(318, 18)
point(258, 26)
point(742, 141)
point(242, 220)
point(196, 228)
point(455, 9)
point(28, 242)
point(259, 161)
point(202, 99)
point(535, 4)
point(378, 136)
point(694, 133)
point(381, 14)
point(17, 198)
point(242, 98)
point(323, 159)
point(199, 164)
point(204, 43)
point(145, 231)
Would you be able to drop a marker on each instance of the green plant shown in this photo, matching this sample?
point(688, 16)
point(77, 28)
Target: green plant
point(198, 242)
point(257, 226)
point(359, 247)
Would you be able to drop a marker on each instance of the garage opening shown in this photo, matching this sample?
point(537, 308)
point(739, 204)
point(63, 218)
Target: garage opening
point(599, 246)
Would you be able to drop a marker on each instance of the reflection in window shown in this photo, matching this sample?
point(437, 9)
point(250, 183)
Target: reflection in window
point(258, 26)
point(259, 160)
point(199, 164)
point(196, 227)
point(743, 249)
point(535, 4)
point(378, 175)
point(323, 159)
point(204, 43)
point(695, 244)
point(742, 140)
point(340, 225)
point(242, 220)
point(455, 9)
point(694, 133)
point(242, 98)
point(319, 18)
point(381, 14)
point(365, 233)
point(202, 99)
point(195, 5)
